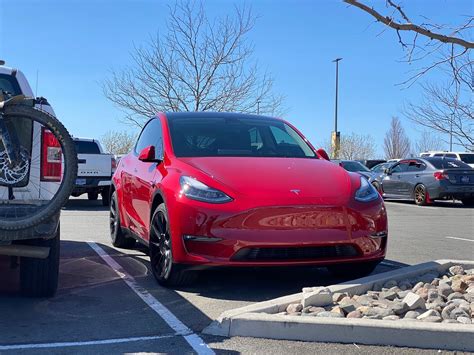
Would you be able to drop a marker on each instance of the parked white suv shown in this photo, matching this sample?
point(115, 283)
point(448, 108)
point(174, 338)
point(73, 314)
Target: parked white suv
point(27, 188)
point(95, 170)
point(466, 157)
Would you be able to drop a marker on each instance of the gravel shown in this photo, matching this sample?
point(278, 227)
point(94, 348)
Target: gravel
point(432, 297)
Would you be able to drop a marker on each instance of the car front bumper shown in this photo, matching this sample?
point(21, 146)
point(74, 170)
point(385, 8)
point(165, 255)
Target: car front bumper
point(281, 235)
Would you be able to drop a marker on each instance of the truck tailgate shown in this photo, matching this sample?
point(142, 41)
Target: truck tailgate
point(94, 165)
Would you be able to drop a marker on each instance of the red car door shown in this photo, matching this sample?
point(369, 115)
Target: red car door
point(144, 176)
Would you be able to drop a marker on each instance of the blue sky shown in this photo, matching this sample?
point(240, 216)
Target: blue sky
point(74, 45)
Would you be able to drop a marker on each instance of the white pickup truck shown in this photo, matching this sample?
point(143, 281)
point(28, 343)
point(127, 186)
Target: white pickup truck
point(95, 170)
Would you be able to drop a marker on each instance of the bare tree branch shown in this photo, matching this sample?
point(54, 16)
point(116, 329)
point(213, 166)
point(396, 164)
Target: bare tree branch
point(198, 65)
point(396, 143)
point(117, 143)
point(408, 26)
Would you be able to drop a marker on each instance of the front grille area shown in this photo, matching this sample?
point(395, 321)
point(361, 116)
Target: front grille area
point(300, 253)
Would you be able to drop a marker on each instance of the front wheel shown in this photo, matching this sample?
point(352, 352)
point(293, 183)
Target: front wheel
point(165, 271)
point(39, 277)
point(353, 270)
point(421, 195)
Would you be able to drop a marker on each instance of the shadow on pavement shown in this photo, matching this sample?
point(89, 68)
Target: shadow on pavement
point(92, 303)
point(81, 204)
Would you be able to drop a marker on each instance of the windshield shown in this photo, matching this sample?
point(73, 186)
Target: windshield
point(467, 158)
point(213, 137)
point(354, 166)
point(447, 163)
point(86, 147)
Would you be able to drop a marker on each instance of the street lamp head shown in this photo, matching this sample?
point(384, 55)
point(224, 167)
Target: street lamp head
point(337, 60)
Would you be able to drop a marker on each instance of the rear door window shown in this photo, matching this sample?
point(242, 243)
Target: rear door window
point(467, 158)
point(416, 166)
point(9, 84)
point(400, 168)
point(448, 164)
point(86, 147)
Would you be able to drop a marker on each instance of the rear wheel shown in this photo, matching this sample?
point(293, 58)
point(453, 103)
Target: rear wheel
point(468, 202)
point(92, 196)
point(165, 271)
point(39, 277)
point(117, 236)
point(421, 195)
point(353, 270)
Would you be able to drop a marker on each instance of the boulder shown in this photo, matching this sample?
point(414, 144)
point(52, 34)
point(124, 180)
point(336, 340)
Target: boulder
point(414, 301)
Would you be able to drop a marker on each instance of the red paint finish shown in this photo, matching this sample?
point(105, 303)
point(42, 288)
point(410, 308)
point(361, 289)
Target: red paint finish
point(276, 203)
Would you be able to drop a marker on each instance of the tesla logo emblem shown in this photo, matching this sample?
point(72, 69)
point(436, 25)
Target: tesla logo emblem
point(296, 192)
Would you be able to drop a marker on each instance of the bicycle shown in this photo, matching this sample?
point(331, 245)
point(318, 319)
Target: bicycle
point(38, 163)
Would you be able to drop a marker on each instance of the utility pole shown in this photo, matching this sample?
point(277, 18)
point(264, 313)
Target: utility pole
point(336, 135)
point(258, 107)
point(451, 133)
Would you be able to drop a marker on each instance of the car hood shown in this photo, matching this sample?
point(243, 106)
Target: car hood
point(295, 179)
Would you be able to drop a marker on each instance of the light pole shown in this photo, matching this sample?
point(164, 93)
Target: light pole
point(336, 136)
point(451, 133)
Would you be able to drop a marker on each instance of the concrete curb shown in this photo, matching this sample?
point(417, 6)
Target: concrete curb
point(261, 321)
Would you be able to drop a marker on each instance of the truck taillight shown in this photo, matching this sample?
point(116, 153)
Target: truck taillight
point(440, 175)
point(51, 157)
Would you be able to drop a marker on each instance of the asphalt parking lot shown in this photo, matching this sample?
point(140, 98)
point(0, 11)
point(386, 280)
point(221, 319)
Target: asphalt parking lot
point(108, 302)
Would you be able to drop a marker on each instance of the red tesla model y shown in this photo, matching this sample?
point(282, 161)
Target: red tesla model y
point(221, 189)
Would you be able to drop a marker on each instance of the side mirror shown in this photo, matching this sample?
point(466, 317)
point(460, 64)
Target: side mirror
point(387, 171)
point(322, 153)
point(147, 155)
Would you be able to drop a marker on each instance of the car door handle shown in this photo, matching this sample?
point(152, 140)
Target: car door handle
point(417, 175)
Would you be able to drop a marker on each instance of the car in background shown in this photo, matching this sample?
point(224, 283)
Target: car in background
point(221, 189)
point(371, 163)
point(354, 166)
point(465, 157)
point(95, 170)
point(427, 179)
point(378, 172)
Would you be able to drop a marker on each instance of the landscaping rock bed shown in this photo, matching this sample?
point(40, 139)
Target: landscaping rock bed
point(431, 297)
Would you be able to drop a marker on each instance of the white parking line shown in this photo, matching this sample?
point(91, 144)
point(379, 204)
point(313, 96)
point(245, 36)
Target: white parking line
point(194, 340)
point(82, 343)
point(464, 239)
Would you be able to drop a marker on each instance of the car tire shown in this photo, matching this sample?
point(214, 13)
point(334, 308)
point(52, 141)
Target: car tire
point(117, 236)
point(353, 270)
point(39, 277)
point(105, 196)
point(92, 196)
point(421, 195)
point(165, 271)
point(468, 202)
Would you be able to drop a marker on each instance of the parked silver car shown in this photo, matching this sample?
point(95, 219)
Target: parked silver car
point(428, 179)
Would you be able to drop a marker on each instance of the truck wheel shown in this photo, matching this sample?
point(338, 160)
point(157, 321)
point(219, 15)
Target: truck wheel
point(105, 196)
point(92, 196)
point(117, 236)
point(39, 277)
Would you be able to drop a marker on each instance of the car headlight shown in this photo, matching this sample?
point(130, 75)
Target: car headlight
point(366, 191)
point(196, 190)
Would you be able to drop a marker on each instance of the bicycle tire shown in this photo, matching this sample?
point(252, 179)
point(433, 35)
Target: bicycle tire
point(70, 165)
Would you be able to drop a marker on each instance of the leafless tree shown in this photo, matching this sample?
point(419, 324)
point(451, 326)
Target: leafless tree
point(433, 44)
point(396, 143)
point(447, 110)
point(118, 142)
point(429, 141)
point(353, 147)
point(200, 64)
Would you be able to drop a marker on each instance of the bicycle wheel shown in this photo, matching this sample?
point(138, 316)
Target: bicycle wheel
point(39, 183)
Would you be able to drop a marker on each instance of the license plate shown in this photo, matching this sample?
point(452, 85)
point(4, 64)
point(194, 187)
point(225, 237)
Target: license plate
point(80, 181)
point(465, 179)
